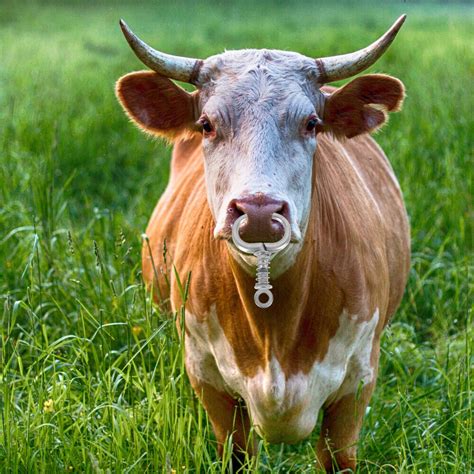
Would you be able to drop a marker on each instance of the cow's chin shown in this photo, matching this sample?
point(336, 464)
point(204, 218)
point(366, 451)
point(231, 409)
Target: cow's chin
point(280, 263)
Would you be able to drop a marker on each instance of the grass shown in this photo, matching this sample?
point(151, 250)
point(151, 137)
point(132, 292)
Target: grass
point(91, 373)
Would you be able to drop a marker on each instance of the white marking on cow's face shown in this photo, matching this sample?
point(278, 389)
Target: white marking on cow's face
point(284, 409)
point(259, 103)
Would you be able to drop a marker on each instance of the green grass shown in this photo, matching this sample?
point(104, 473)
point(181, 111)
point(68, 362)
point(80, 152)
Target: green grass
point(91, 373)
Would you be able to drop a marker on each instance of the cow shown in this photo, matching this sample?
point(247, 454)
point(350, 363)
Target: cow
point(260, 134)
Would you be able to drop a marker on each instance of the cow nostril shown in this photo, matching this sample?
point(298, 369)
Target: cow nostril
point(238, 207)
point(234, 209)
point(285, 211)
point(282, 208)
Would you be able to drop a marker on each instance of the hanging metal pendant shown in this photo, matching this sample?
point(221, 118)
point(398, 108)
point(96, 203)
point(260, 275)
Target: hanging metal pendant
point(264, 252)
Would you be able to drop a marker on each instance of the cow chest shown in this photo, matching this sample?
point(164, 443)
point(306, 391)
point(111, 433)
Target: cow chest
point(283, 408)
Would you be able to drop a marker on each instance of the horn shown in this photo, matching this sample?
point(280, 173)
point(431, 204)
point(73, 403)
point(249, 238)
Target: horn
point(334, 68)
point(174, 67)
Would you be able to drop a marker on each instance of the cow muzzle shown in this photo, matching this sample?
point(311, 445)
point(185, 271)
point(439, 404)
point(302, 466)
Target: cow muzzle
point(259, 225)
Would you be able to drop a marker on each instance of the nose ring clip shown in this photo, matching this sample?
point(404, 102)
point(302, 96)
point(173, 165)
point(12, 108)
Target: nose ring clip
point(264, 251)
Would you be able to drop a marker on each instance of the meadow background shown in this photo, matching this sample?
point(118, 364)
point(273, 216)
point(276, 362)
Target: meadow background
point(91, 373)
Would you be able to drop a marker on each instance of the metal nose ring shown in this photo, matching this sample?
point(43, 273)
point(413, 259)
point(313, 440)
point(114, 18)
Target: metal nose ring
point(264, 253)
point(252, 247)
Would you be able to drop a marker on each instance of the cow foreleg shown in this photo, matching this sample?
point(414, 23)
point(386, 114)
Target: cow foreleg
point(228, 417)
point(342, 421)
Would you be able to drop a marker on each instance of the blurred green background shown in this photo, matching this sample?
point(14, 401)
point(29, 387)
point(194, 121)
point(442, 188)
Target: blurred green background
point(91, 372)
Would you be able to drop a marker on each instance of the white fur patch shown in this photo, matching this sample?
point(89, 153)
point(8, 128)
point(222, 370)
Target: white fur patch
point(284, 409)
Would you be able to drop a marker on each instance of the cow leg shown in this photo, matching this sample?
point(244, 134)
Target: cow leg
point(342, 421)
point(228, 417)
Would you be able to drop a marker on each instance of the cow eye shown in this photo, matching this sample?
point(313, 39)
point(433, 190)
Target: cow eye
point(206, 125)
point(311, 124)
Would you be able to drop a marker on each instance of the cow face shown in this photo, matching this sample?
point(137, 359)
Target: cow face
point(259, 111)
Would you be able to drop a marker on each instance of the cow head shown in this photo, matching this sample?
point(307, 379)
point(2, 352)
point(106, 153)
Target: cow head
point(259, 113)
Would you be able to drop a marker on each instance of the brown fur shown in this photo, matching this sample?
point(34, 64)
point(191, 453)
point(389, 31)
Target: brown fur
point(156, 104)
point(360, 106)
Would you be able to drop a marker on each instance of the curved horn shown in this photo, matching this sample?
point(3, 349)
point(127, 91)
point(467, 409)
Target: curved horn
point(334, 68)
point(174, 67)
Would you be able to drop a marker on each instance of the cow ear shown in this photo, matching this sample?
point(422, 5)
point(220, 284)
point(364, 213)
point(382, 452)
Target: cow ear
point(157, 105)
point(361, 106)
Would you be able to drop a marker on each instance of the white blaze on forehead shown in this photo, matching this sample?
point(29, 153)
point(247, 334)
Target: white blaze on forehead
point(284, 409)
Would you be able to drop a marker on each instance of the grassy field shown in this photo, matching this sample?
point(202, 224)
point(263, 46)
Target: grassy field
point(91, 373)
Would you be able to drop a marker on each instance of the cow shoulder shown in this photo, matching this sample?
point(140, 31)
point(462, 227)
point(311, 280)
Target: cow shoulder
point(362, 208)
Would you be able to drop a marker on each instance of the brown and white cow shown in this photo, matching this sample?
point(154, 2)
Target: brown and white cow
point(260, 134)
